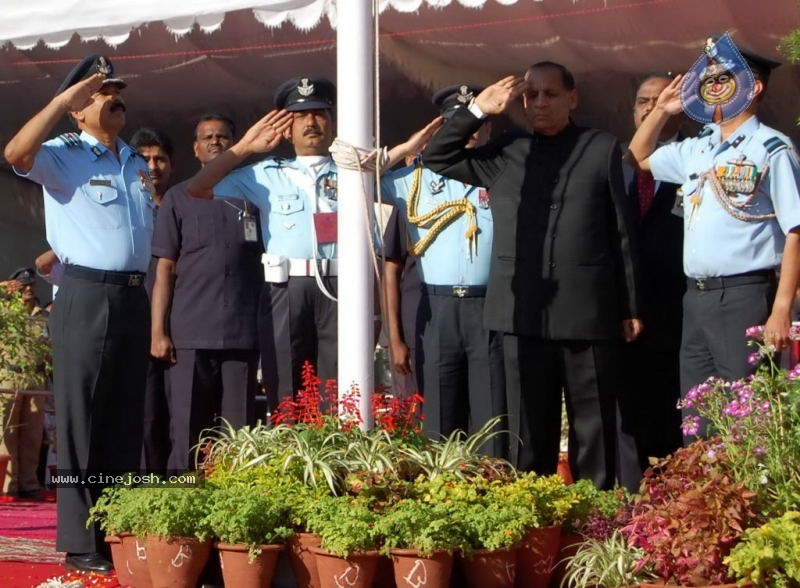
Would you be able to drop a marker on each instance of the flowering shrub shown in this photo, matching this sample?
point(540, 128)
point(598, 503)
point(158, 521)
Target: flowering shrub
point(689, 512)
point(757, 420)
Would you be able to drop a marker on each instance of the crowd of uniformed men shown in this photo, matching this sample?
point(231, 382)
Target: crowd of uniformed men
point(519, 270)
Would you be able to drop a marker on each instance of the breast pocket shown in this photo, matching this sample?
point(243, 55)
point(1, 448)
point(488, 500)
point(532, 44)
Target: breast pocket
point(104, 207)
point(201, 232)
point(286, 204)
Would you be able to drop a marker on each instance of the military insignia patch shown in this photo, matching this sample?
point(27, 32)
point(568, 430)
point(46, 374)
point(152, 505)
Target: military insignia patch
point(70, 139)
point(304, 88)
point(437, 186)
point(464, 95)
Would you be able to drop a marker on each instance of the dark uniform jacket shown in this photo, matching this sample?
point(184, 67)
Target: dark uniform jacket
point(659, 239)
point(562, 262)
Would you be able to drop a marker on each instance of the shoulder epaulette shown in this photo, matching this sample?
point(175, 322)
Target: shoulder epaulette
point(70, 139)
point(774, 145)
point(705, 132)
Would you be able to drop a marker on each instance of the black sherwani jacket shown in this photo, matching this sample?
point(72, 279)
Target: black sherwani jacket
point(562, 262)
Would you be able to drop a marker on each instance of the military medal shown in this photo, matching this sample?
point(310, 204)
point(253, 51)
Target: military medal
point(483, 198)
point(695, 201)
point(738, 177)
point(147, 183)
point(329, 188)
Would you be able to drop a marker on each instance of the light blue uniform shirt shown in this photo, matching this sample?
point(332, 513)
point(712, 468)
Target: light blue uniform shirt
point(716, 243)
point(98, 210)
point(287, 194)
point(447, 261)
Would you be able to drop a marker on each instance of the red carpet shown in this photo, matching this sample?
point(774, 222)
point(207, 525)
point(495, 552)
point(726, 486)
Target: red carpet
point(28, 554)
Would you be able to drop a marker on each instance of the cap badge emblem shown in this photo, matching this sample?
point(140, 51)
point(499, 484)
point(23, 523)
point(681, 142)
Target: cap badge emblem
point(304, 88)
point(102, 66)
point(464, 94)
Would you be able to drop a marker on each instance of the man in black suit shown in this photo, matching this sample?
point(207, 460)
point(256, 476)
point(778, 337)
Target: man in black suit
point(561, 285)
point(648, 401)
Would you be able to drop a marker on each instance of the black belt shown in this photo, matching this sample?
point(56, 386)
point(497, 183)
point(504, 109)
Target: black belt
point(757, 277)
point(457, 291)
point(103, 276)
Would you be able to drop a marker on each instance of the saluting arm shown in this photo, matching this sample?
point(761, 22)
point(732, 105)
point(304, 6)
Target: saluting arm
point(645, 140)
point(21, 150)
point(262, 137)
point(447, 151)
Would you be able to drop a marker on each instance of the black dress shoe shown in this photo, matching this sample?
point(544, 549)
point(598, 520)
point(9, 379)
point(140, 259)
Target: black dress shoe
point(88, 562)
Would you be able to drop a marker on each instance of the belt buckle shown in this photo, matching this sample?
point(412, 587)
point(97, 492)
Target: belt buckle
point(134, 280)
point(700, 283)
point(460, 291)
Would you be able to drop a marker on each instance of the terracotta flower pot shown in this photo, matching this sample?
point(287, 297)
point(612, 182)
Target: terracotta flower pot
point(118, 559)
point(239, 571)
point(176, 562)
point(135, 553)
point(304, 564)
point(356, 571)
point(563, 468)
point(568, 547)
point(491, 568)
point(677, 586)
point(413, 571)
point(536, 557)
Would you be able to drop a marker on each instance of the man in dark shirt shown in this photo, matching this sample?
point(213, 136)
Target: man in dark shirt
point(561, 284)
point(156, 149)
point(209, 270)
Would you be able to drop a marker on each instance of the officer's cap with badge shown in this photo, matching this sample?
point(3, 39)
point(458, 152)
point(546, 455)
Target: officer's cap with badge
point(306, 93)
point(759, 65)
point(451, 98)
point(90, 65)
point(24, 275)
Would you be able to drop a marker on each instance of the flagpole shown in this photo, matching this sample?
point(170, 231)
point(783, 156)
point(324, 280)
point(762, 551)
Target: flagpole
point(355, 73)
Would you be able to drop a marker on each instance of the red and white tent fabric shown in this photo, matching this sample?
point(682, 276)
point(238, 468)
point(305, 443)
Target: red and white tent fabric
point(188, 56)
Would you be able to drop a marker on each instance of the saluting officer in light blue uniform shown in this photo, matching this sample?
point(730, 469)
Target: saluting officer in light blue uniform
point(298, 200)
point(741, 206)
point(450, 229)
point(99, 214)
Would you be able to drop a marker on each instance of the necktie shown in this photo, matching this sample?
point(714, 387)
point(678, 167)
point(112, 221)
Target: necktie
point(646, 188)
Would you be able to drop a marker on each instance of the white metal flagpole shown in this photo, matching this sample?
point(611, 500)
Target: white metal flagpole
point(355, 73)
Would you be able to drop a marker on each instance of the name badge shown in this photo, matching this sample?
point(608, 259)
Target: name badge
point(250, 229)
point(96, 182)
point(325, 227)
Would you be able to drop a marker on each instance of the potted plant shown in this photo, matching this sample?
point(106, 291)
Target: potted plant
point(769, 556)
point(689, 513)
point(610, 562)
point(348, 554)
point(251, 523)
point(178, 536)
point(421, 538)
point(116, 511)
point(25, 360)
point(545, 502)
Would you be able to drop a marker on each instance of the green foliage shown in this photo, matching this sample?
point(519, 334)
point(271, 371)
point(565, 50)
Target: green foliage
point(688, 514)
point(24, 347)
point(790, 46)
point(414, 524)
point(117, 510)
point(345, 524)
point(769, 556)
point(610, 563)
point(545, 500)
point(491, 526)
point(172, 512)
point(249, 514)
